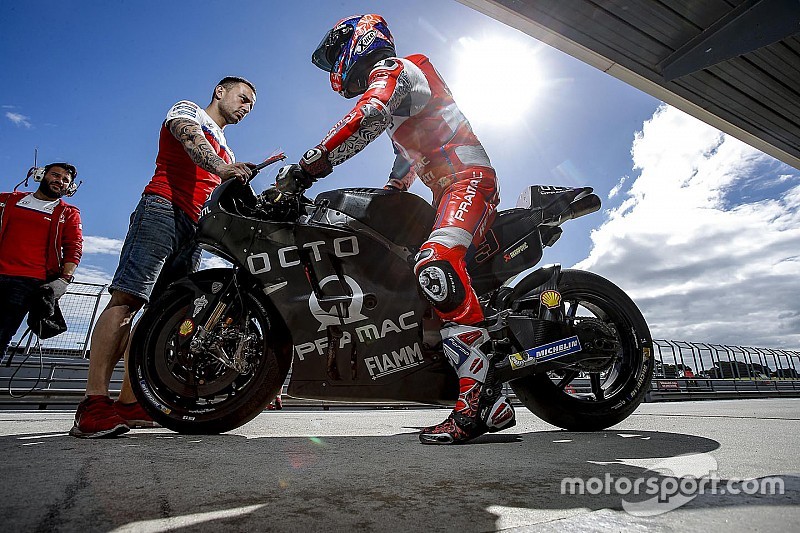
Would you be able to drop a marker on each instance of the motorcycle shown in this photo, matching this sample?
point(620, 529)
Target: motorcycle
point(326, 288)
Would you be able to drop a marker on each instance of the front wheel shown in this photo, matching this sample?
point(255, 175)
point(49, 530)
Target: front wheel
point(211, 388)
point(591, 397)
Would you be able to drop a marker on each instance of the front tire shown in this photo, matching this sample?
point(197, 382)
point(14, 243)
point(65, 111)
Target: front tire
point(616, 388)
point(196, 393)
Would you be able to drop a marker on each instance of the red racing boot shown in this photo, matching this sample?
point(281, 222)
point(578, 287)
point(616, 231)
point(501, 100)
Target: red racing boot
point(478, 410)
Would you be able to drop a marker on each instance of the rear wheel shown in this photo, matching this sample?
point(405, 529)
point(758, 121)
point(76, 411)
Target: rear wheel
point(598, 393)
point(217, 385)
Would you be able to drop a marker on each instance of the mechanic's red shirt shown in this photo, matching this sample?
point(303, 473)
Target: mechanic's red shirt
point(26, 237)
point(177, 178)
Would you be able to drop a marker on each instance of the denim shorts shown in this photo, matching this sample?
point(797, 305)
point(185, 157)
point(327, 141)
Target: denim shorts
point(159, 249)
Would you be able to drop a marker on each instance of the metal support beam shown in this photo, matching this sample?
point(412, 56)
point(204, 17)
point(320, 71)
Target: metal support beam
point(750, 26)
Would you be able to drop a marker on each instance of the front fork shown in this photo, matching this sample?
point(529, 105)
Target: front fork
point(195, 333)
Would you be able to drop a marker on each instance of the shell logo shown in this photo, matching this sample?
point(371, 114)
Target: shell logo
point(186, 327)
point(551, 299)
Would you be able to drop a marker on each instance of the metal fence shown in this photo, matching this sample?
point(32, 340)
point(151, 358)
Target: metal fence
point(80, 307)
point(688, 370)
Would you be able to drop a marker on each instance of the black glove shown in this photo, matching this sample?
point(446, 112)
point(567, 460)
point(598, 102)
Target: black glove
point(292, 180)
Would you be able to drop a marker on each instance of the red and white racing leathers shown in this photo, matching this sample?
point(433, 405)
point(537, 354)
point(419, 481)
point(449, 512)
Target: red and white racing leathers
point(433, 141)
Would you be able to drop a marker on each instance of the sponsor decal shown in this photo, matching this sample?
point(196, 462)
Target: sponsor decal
point(345, 311)
point(187, 327)
point(371, 332)
point(515, 252)
point(472, 190)
point(552, 189)
point(288, 256)
point(456, 351)
point(152, 399)
point(199, 305)
point(366, 334)
point(365, 41)
point(312, 155)
point(551, 299)
point(545, 352)
point(396, 361)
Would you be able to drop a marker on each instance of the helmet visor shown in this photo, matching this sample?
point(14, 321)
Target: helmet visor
point(330, 47)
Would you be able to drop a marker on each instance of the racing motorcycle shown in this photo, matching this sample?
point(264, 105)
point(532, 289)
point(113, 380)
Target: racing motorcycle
point(326, 288)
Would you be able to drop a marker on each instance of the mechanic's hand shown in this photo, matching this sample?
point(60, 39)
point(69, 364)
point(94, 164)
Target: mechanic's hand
point(240, 171)
point(59, 286)
point(292, 179)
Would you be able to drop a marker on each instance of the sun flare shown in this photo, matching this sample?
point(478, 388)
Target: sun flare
point(497, 80)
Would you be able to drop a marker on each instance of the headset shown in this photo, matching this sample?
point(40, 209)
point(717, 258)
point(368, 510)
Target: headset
point(37, 173)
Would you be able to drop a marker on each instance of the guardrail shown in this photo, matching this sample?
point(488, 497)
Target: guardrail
point(696, 370)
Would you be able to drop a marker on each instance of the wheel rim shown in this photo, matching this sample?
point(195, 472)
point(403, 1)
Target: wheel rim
point(605, 380)
point(195, 383)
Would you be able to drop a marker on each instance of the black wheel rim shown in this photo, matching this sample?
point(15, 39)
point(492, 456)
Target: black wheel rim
point(196, 383)
point(610, 382)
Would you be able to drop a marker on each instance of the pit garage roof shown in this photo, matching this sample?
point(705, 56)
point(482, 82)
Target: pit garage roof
point(734, 64)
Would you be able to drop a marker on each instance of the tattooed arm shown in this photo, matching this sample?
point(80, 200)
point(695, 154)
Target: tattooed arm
point(191, 136)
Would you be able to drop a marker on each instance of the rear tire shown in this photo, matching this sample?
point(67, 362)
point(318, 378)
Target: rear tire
point(196, 393)
point(616, 390)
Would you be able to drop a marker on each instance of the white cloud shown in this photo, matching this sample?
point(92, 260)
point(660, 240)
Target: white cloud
point(212, 261)
point(90, 274)
point(101, 245)
point(701, 266)
point(618, 187)
point(19, 119)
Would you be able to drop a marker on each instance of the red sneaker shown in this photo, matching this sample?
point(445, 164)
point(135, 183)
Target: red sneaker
point(96, 418)
point(134, 415)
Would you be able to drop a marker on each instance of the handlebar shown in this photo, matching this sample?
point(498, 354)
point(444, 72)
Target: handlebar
point(267, 162)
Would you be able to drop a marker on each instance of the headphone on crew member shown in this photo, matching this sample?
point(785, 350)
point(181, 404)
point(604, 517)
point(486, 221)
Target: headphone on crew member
point(37, 173)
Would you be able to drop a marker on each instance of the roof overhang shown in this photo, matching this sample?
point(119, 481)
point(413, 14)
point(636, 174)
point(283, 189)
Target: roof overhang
point(736, 67)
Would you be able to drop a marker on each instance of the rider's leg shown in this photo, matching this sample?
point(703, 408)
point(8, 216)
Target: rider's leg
point(465, 212)
point(480, 407)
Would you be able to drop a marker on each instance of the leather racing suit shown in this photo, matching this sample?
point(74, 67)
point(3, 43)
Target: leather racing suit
point(432, 141)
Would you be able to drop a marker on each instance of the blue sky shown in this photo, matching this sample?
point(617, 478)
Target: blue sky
point(702, 230)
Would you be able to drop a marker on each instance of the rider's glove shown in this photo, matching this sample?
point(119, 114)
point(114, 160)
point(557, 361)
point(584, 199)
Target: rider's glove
point(292, 180)
point(315, 162)
point(59, 286)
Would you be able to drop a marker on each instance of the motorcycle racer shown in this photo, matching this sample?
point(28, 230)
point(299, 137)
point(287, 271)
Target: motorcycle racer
point(434, 142)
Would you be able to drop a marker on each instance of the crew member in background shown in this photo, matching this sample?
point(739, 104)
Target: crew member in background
point(193, 158)
point(41, 242)
point(432, 141)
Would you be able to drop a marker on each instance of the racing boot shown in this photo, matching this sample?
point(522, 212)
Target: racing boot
point(480, 407)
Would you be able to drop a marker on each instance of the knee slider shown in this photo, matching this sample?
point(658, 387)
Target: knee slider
point(439, 281)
